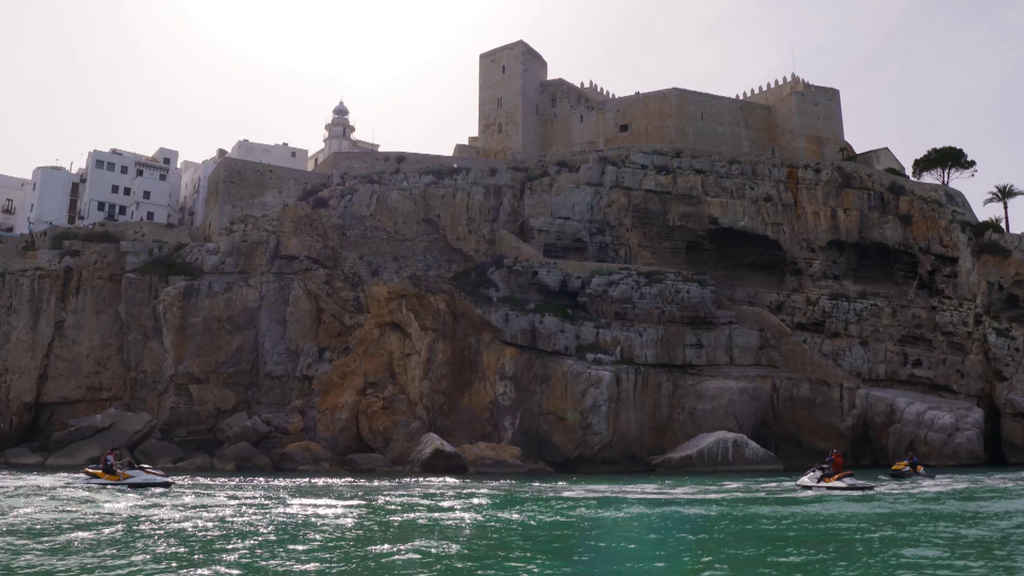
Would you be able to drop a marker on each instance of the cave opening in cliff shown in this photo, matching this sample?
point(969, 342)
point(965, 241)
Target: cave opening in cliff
point(738, 257)
point(873, 264)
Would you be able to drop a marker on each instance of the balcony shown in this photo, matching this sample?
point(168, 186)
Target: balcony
point(8, 209)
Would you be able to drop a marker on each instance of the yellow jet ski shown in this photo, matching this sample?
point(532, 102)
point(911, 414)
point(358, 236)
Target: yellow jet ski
point(905, 470)
point(141, 476)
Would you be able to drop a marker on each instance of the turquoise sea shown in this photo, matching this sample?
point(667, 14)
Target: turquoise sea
point(964, 522)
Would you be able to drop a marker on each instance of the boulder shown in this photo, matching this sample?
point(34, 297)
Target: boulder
point(21, 457)
point(112, 429)
point(241, 428)
point(302, 456)
point(241, 456)
point(197, 462)
point(435, 456)
point(487, 458)
point(157, 453)
point(286, 424)
point(720, 451)
point(939, 431)
point(365, 462)
point(82, 428)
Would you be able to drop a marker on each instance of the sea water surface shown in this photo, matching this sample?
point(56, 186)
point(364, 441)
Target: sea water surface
point(963, 522)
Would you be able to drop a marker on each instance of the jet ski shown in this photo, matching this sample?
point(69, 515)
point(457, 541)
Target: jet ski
point(815, 479)
point(904, 470)
point(141, 476)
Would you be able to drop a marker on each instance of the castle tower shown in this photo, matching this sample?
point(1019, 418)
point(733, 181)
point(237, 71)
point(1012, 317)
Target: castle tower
point(338, 132)
point(510, 86)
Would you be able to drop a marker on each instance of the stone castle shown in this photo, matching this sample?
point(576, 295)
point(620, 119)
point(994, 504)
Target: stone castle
point(523, 111)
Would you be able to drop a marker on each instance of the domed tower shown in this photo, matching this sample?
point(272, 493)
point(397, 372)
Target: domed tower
point(338, 132)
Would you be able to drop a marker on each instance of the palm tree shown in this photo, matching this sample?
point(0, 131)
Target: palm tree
point(997, 220)
point(1002, 195)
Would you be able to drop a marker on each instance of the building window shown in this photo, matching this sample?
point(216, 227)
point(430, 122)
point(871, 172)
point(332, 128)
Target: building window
point(499, 127)
point(293, 154)
point(538, 110)
point(163, 177)
point(167, 161)
point(499, 102)
point(145, 194)
point(138, 172)
point(149, 216)
point(554, 103)
point(115, 189)
point(110, 166)
point(9, 206)
point(32, 208)
point(127, 191)
point(502, 68)
point(33, 186)
point(99, 164)
point(71, 219)
point(623, 127)
point(124, 169)
point(101, 206)
point(122, 210)
point(73, 205)
point(581, 118)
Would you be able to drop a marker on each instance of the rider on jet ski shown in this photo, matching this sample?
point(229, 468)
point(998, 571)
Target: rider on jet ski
point(110, 462)
point(912, 461)
point(835, 461)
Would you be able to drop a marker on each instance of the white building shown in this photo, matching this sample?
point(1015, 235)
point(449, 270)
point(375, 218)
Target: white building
point(13, 215)
point(54, 198)
point(338, 138)
point(121, 186)
point(275, 154)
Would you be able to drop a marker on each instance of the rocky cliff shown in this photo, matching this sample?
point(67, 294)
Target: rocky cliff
point(593, 311)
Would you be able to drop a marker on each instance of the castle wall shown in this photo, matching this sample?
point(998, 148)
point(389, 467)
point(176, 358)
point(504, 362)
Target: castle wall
point(667, 117)
point(809, 124)
point(243, 188)
point(366, 163)
point(513, 74)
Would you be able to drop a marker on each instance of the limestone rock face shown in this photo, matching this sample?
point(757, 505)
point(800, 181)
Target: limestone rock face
point(388, 426)
point(157, 453)
point(938, 431)
point(719, 452)
point(435, 456)
point(592, 317)
point(365, 462)
point(21, 457)
point(241, 456)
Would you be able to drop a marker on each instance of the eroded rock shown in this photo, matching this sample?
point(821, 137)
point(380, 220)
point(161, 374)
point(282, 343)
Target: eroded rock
point(435, 456)
point(718, 452)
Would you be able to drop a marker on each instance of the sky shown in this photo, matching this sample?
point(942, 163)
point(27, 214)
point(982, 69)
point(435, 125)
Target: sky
point(199, 75)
